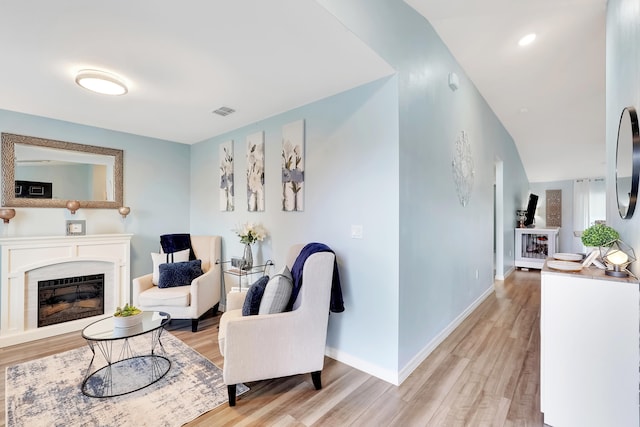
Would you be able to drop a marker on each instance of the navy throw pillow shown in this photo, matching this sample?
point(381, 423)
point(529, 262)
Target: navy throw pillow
point(179, 273)
point(251, 304)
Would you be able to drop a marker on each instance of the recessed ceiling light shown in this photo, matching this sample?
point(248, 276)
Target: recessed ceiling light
point(527, 40)
point(101, 82)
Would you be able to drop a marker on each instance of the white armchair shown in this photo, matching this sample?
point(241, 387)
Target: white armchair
point(190, 301)
point(277, 345)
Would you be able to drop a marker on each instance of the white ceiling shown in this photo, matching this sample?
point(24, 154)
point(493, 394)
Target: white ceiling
point(559, 79)
point(184, 60)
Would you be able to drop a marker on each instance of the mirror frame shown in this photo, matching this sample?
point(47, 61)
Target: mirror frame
point(635, 159)
point(9, 198)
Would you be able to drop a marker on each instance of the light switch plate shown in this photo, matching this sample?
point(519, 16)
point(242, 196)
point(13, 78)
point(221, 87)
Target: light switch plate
point(356, 232)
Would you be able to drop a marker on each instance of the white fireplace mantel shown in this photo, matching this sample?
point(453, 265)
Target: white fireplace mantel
point(21, 255)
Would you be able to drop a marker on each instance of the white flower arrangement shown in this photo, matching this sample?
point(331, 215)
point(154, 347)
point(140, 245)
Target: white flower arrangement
point(250, 233)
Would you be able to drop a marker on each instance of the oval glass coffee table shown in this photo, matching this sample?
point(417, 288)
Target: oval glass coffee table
point(127, 361)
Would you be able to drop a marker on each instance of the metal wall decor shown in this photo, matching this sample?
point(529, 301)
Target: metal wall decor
point(463, 171)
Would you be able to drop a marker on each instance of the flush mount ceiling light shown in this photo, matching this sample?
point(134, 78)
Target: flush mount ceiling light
point(101, 82)
point(527, 40)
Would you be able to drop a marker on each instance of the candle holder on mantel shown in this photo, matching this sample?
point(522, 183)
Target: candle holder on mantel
point(7, 215)
point(73, 206)
point(124, 211)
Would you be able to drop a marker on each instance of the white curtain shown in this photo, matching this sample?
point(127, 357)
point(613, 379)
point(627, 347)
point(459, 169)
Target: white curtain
point(589, 206)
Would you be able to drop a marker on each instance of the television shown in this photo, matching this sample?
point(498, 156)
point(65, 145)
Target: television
point(531, 210)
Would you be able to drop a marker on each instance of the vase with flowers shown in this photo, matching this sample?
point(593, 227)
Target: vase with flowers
point(250, 233)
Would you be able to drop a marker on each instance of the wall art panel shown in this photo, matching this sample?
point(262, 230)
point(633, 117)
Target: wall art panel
point(226, 176)
point(255, 172)
point(293, 166)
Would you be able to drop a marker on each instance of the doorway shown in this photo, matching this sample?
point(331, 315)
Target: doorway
point(498, 221)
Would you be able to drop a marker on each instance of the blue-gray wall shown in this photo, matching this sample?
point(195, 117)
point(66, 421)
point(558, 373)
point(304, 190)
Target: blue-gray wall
point(445, 257)
point(623, 90)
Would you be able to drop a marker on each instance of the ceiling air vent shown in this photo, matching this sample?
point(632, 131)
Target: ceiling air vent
point(224, 111)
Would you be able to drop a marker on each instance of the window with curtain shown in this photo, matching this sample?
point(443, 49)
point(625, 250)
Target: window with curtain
point(589, 205)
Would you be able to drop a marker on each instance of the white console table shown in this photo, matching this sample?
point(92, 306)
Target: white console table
point(589, 349)
point(534, 245)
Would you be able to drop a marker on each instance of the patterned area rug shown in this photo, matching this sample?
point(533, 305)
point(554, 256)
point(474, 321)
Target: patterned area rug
point(46, 392)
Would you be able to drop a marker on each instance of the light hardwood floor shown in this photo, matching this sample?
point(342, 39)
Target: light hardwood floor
point(486, 373)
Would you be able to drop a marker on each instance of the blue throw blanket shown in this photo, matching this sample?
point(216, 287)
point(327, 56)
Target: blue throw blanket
point(177, 242)
point(337, 304)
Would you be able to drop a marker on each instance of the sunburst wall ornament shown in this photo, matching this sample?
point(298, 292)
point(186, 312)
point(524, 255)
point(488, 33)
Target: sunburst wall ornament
point(463, 168)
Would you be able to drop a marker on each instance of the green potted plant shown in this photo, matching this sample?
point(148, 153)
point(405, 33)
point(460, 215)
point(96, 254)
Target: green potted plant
point(599, 235)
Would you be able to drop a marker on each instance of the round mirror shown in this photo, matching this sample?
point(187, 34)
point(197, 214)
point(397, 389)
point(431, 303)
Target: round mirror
point(627, 162)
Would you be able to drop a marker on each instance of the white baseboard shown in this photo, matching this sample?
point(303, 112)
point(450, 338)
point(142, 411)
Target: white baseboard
point(505, 275)
point(428, 349)
point(362, 365)
point(510, 271)
point(396, 378)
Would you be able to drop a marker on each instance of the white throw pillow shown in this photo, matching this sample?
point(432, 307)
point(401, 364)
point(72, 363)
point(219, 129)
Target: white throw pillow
point(179, 256)
point(277, 293)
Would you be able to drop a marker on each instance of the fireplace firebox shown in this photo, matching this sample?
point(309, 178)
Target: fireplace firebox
point(70, 298)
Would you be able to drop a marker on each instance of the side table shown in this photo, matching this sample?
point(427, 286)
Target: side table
point(239, 274)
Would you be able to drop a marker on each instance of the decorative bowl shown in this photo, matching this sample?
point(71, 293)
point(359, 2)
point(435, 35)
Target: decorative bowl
point(127, 321)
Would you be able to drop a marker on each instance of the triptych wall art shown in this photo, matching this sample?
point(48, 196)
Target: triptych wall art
point(226, 176)
point(292, 158)
point(255, 172)
point(293, 166)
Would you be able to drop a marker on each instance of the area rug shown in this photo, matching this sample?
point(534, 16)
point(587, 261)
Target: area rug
point(46, 392)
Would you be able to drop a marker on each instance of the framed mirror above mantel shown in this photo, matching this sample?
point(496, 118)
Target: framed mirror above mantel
point(45, 173)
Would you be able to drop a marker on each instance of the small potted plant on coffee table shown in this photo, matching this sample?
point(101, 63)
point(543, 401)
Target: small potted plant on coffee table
point(127, 316)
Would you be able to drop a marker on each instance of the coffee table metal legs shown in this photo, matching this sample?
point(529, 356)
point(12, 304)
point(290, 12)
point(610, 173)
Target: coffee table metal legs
point(128, 372)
